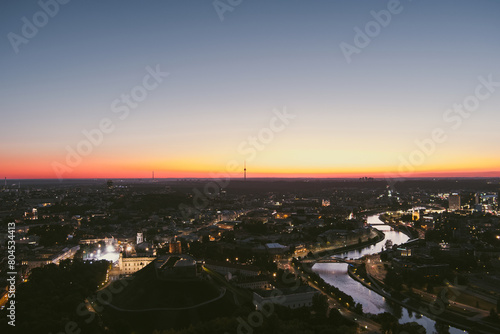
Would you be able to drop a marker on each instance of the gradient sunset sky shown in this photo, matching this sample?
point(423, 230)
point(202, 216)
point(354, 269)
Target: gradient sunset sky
point(227, 79)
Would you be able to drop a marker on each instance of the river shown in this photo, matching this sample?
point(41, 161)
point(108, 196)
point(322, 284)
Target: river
point(336, 275)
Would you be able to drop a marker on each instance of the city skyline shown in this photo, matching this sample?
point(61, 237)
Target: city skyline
point(193, 90)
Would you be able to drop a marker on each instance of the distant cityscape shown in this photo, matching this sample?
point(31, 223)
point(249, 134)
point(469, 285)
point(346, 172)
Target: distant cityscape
point(428, 247)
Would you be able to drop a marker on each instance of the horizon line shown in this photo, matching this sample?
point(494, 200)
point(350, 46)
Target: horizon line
point(259, 178)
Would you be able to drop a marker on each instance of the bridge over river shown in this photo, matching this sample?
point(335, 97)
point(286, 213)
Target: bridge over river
point(333, 260)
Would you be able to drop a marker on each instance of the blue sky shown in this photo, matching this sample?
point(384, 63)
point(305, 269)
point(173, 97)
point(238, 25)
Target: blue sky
point(227, 76)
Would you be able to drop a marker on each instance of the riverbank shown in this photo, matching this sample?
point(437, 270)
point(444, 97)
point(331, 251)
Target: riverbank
point(338, 299)
point(429, 310)
point(408, 231)
point(344, 249)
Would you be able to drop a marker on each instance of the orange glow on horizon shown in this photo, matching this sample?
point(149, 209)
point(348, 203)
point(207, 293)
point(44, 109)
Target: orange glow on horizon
point(102, 166)
point(160, 173)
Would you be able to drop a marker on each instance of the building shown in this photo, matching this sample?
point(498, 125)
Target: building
point(175, 247)
point(301, 296)
point(498, 199)
point(478, 198)
point(131, 264)
point(431, 270)
point(108, 241)
point(401, 265)
point(276, 250)
point(423, 270)
point(227, 225)
point(260, 282)
point(66, 253)
point(44, 259)
point(454, 202)
point(140, 238)
point(177, 267)
point(300, 250)
point(283, 215)
point(33, 263)
point(404, 251)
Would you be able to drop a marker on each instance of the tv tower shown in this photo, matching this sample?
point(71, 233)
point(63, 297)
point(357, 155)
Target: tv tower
point(245, 171)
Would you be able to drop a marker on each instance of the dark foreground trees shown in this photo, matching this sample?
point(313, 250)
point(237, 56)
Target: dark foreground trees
point(50, 300)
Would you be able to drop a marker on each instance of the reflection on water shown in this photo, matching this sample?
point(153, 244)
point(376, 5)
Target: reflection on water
point(397, 238)
point(336, 274)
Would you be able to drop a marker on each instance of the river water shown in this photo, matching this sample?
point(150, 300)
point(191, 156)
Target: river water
point(336, 275)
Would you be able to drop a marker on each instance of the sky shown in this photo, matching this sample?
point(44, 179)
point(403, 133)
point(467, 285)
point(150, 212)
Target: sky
point(316, 88)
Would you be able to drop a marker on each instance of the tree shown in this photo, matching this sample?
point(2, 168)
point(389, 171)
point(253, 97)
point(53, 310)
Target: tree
point(392, 280)
point(388, 323)
point(320, 304)
point(384, 256)
point(397, 310)
point(51, 234)
point(411, 328)
point(52, 294)
point(493, 314)
point(441, 328)
point(358, 308)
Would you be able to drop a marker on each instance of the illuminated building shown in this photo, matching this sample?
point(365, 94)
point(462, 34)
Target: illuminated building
point(454, 202)
point(131, 264)
point(175, 247)
point(140, 238)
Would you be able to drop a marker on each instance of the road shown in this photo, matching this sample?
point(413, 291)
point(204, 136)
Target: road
point(376, 270)
point(363, 322)
point(429, 298)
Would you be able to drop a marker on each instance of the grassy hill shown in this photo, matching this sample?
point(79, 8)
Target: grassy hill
point(149, 303)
